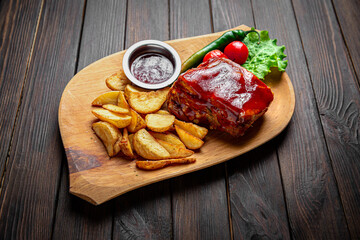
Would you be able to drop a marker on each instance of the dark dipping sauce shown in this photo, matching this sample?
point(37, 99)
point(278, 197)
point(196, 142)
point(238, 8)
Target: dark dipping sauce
point(152, 68)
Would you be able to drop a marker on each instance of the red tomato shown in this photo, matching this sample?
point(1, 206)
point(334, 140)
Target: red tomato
point(237, 51)
point(214, 54)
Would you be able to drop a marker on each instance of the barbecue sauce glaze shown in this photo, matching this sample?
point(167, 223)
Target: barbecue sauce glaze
point(221, 94)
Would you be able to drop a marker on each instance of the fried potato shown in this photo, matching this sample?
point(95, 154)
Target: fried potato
point(117, 81)
point(146, 146)
point(117, 148)
point(188, 139)
point(137, 122)
point(153, 165)
point(192, 128)
point(162, 112)
point(118, 120)
point(146, 102)
point(131, 141)
point(159, 122)
point(106, 98)
point(131, 88)
point(168, 137)
point(174, 150)
point(122, 100)
point(125, 145)
point(115, 109)
point(109, 135)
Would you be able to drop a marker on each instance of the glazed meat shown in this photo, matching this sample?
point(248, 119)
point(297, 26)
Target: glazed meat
point(219, 94)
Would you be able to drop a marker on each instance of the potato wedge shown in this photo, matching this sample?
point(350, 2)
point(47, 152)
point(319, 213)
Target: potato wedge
point(188, 139)
point(109, 135)
point(125, 145)
point(117, 148)
point(153, 165)
point(115, 109)
point(131, 141)
point(118, 120)
point(106, 98)
point(146, 102)
point(146, 146)
point(159, 122)
point(192, 128)
point(168, 137)
point(117, 81)
point(137, 122)
point(174, 150)
point(162, 112)
point(131, 88)
point(122, 100)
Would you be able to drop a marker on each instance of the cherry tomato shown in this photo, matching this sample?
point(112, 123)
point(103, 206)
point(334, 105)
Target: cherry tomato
point(214, 54)
point(237, 51)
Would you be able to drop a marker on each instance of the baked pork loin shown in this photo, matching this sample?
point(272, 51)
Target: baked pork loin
point(221, 94)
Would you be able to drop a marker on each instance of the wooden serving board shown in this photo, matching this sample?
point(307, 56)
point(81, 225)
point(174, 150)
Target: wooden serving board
point(97, 178)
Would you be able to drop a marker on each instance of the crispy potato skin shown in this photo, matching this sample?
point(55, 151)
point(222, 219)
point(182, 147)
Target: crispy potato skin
point(188, 139)
point(117, 81)
point(115, 108)
point(125, 145)
point(109, 135)
point(122, 100)
point(153, 165)
point(174, 150)
point(159, 122)
point(168, 137)
point(118, 120)
point(145, 102)
point(147, 147)
point(106, 98)
point(137, 122)
point(197, 131)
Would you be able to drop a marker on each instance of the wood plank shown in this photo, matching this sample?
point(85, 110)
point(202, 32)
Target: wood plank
point(312, 199)
point(32, 179)
point(348, 15)
point(102, 34)
point(199, 200)
point(338, 98)
point(146, 212)
point(255, 189)
point(18, 21)
point(78, 219)
point(256, 195)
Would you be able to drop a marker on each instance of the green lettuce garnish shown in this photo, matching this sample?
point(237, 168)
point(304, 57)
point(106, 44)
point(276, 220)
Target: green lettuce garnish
point(263, 55)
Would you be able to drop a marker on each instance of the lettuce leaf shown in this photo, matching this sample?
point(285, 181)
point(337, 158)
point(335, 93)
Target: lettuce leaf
point(263, 56)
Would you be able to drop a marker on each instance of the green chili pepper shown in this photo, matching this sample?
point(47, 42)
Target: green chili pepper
point(220, 43)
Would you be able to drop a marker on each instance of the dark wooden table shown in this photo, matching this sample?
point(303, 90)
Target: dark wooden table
point(304, 184)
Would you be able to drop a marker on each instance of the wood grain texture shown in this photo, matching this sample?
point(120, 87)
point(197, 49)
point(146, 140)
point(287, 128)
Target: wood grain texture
point(312, 199)
point(18, 20)
point(146, 213)
point(77, 219)
point(258, 209)
point(103, 33)
point(32, 176)
point(200, 205)
point(101, 183)
point(256, 195)
point(338, 99)
point(195, 196)
point(348, 15)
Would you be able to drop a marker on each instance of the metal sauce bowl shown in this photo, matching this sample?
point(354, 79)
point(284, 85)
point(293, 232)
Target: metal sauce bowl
point(151, 46)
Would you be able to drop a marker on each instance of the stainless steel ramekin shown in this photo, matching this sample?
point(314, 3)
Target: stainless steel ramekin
point(151, 46)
